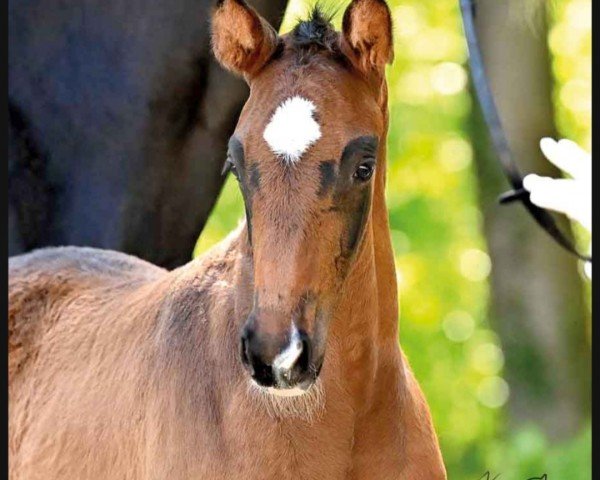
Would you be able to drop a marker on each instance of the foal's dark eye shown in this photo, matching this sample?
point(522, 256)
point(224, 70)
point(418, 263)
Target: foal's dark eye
point(364, 171)
point(229, 167)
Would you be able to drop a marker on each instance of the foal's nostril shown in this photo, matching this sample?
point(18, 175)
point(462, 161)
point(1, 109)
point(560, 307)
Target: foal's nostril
point(303, 362)
point(262, 373)
point(244, 351)
point(251, 359)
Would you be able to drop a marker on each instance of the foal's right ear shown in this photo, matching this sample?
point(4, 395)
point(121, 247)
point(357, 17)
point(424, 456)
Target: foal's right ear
point(242, 40)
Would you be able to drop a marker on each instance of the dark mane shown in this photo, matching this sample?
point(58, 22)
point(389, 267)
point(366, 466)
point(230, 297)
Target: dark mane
point(316, 33)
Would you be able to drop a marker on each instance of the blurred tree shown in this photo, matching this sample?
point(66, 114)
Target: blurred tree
point(537, 297)
point(119, 119)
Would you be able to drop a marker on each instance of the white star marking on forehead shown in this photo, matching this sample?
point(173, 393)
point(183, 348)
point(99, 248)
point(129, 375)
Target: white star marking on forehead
point(292, 129)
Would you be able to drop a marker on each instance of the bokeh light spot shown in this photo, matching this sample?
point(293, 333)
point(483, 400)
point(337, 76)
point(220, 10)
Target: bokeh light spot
point(413, 87)
point(493, 392)
point(487, 358)
point(576, 95)
point(455, 154)
point(448, 78)
point(407, 20)
point(458, 325)
point(475, 264)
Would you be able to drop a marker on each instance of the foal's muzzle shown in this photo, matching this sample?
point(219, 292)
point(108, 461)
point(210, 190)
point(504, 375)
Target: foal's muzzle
point(284, 364)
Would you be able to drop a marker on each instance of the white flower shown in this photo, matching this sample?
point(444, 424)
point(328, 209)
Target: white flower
point(571, 196)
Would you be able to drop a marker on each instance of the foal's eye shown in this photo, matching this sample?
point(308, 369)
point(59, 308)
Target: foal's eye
point(229, 167)
point(364, 171)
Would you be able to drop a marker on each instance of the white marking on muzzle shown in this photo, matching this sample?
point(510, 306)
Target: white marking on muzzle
point(292, 129)
point(284, 362)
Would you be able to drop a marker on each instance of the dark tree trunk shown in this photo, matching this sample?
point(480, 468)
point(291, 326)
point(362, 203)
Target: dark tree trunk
point(119, 119)
point(537, 300)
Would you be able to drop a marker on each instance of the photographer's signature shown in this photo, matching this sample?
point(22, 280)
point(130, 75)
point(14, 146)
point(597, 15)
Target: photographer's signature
point(488, 476)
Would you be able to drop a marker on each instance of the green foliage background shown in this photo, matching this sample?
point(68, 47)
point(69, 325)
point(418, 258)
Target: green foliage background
point(441, 258)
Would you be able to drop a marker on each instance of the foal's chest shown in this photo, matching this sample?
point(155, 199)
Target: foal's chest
point(261, 447)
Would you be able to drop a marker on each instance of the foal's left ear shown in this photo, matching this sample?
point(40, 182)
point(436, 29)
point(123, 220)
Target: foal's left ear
point(367, 34)
point(242, 40)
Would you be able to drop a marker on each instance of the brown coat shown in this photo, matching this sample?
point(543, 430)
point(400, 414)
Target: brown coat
point(122, 370)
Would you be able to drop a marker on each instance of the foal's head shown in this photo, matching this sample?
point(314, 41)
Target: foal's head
point(305, 153)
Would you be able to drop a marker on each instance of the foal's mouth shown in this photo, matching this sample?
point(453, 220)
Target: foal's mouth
point(305, 402)
point(296, 391)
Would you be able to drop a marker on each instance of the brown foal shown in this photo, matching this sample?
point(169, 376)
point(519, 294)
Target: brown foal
point(273, 356)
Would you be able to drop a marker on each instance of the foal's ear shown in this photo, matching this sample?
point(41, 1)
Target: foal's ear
point(242, 40)
point(367, 34)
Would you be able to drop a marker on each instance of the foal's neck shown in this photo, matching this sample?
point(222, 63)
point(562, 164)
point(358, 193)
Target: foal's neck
point(365, 324)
